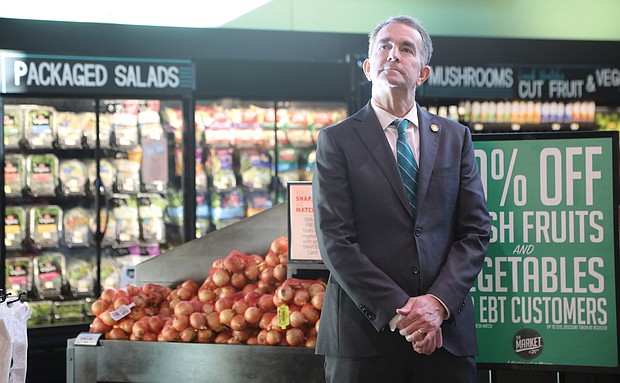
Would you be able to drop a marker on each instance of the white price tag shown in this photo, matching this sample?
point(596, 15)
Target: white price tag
point(122, 311)
point(87, 339)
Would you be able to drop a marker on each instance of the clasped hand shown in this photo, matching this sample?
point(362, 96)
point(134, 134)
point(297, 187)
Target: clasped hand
point(420, 324)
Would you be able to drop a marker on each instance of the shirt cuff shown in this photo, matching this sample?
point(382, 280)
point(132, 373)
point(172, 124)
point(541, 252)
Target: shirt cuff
point(394, 321)
point(447, 316)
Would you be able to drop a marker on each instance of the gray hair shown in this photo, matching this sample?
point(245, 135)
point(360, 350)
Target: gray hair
point(427, 50)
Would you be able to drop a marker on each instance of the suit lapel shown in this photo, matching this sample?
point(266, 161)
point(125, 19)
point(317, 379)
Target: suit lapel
point(372, 135)
point(430, 134)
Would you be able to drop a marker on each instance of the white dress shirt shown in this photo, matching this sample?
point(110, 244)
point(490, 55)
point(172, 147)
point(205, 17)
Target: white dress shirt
point(413, 135)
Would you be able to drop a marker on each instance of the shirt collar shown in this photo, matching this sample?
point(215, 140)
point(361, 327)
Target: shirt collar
point(385, 118)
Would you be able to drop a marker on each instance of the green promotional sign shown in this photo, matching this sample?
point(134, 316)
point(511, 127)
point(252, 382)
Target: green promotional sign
point(547, 292)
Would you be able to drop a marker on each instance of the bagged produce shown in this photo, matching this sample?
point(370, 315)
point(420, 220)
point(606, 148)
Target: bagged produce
point(76, 225)
point(126, 215)
point(288, 166)
point(127, 175)
point(14, 175)
point(40, 126)
point(107, 224)
point(258, 201)
point(69, 312)
point(80, 278)
point(19, 274)
point(42, 174)
point(125, 128)
point(45, 225)
point(255, 169)
point(73, 177)
point(151, 208)
point(88, 121)
point(14, 227)
point(154, 167)
point(13, 126)
point(107, 174)
point(227, 207)
point(70, 131)
point(220, 164)
point(42, 313)
point(110, 272)
point(49, 277)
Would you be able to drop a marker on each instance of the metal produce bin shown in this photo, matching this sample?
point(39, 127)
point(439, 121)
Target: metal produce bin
point(133, 361)
point(154, 362)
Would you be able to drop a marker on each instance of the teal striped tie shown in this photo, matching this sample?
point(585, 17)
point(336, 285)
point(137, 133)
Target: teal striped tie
point(407, 165)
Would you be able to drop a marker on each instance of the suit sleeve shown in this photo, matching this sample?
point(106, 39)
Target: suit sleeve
point(472, 226)
point(371, 289)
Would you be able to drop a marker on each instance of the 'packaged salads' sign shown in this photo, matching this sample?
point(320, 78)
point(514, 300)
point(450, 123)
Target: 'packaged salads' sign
point(32, 73)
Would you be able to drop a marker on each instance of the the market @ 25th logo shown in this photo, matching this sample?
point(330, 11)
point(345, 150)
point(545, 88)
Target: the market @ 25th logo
point(527, 343)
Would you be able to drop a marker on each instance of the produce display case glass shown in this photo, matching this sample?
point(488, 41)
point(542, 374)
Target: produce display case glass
point(247, 152)
point(61, 181)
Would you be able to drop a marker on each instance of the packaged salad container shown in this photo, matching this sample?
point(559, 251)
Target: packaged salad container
point(80, 278)
point(76, 227)
point(70, 133)
point(14, 227)
point(13, 126)
point(45, 225)
point(14, 175)
point(49, 274)
point(73, 177)
point(42, 174)
point(19, 275)
point(39, 126)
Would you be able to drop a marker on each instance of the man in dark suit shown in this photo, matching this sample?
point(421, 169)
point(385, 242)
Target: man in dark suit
point(397, 306)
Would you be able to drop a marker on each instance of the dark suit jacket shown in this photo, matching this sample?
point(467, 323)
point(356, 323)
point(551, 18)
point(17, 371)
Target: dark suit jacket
point(377, 254)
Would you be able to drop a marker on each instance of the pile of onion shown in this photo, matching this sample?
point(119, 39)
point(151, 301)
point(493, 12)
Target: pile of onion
point(237, 303)
point(304, 299)
point(149, 302)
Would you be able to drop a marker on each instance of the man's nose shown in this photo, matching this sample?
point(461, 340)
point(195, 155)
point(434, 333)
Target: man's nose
point(394, 54)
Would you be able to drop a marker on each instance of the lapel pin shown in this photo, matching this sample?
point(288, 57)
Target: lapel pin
point(435, 128)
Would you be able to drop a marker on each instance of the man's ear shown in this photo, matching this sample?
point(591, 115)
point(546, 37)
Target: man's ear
point(366, 68)
point(424, 73)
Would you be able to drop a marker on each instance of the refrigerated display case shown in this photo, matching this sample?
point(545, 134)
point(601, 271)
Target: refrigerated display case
point(93, 177)
point(247, 152)
point(52, 203)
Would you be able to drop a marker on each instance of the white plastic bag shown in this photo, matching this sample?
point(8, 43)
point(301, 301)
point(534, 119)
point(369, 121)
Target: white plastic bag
point(13, 342)
point(6, 346)
point(21, 314)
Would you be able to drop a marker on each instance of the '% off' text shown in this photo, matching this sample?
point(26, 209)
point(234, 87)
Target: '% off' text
point(494, 166)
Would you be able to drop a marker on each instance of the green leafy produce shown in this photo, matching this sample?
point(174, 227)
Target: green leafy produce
point(40, 126)
point(19, 274)
point(41, 313)
point(49, 275)
point(42, 176)
point(45, 225)
point(14, 174)
point(13, 126)
point(80, 277)
point(14, 226)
